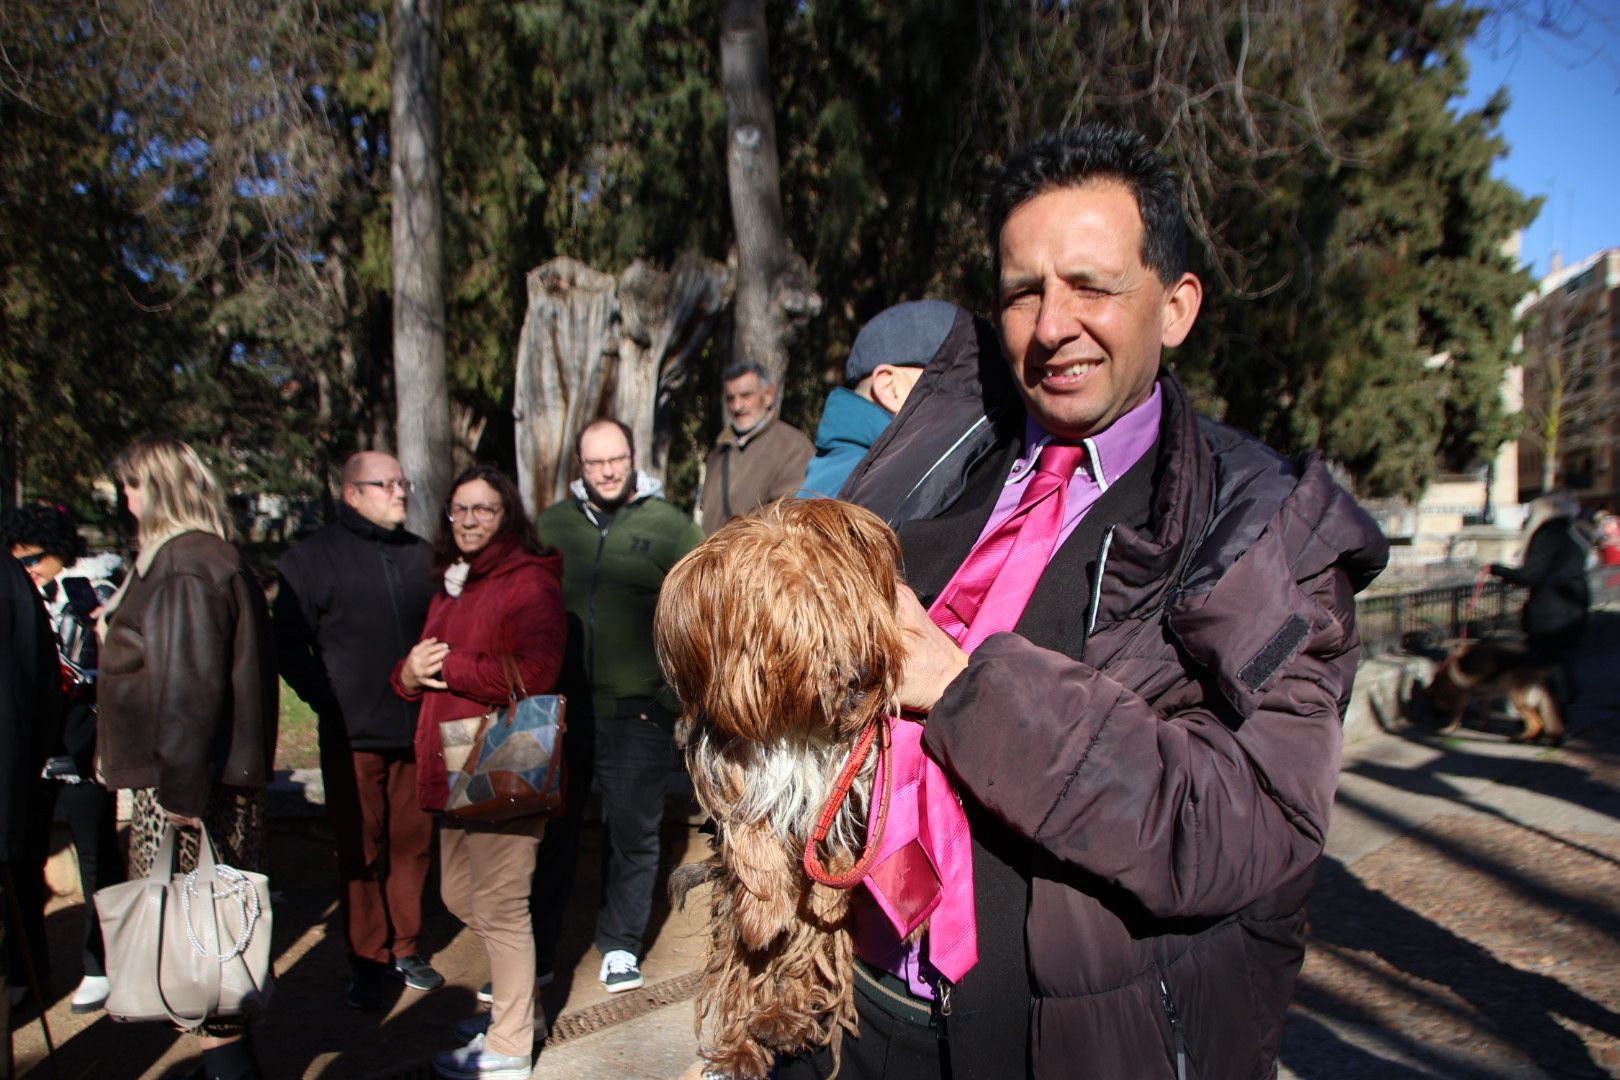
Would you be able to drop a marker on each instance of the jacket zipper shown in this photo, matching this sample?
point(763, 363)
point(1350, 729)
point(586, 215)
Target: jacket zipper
point(590, 612)
point(939, 1013)
point(1175, 1031)
point(1096, 586)
point(392, 579)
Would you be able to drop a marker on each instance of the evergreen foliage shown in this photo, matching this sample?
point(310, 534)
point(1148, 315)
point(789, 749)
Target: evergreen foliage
point(194, 205)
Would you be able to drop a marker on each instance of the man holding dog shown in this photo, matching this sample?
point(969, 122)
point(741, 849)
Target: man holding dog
point(618, 538)
point(1148, 758)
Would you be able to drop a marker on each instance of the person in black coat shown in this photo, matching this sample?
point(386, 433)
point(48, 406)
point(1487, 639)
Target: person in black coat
point(352, 602)
point(46, 540)
point(30, 714)
point(1553, 569)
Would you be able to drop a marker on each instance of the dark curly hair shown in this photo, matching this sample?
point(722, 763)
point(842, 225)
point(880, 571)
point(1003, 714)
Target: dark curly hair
point(52, 529)
point(1077, 156)
point(514, 521)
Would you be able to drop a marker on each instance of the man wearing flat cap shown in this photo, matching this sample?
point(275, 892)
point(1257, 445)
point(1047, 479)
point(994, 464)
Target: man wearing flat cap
point(888, 357)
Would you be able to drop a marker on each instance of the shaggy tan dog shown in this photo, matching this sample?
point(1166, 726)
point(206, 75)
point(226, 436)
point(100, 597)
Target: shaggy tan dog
point(780, 636)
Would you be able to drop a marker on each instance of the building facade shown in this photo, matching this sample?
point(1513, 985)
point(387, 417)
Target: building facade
point(1570, 356)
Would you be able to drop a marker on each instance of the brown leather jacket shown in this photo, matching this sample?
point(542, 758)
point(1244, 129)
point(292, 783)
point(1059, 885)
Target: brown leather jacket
point(187, 690)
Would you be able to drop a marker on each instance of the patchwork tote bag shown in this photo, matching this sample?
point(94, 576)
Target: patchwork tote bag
point(187, 947)
point(507, 763)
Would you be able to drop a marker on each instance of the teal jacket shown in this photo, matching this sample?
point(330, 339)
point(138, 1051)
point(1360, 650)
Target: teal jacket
point(849, 426)
point(611, 578)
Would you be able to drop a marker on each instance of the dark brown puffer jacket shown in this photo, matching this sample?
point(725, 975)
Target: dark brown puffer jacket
point(187, 692)
point(1150, 761)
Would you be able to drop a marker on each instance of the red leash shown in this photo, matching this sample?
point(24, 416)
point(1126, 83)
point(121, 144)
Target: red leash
point(857, 757)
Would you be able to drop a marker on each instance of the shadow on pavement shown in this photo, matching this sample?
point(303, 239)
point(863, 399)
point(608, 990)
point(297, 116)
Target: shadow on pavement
point(1521, 1006)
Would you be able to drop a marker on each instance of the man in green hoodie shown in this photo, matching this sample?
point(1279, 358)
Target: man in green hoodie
point(618, 538)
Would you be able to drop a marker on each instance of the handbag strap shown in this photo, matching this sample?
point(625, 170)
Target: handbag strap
point(210, 971)
point(514, 678)
point(163, 862)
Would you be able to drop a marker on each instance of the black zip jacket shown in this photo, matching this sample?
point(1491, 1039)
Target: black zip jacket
point(352, 602)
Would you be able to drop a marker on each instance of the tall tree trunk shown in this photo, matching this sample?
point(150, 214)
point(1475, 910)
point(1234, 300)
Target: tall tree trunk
point(592, 346)
point(664, 319)
point(562, 380)
point(421, 393)
point(774, 292)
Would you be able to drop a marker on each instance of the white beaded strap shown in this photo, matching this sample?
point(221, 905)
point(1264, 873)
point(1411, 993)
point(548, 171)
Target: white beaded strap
point(237, 886)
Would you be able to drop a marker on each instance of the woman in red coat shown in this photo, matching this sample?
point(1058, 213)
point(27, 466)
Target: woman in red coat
point(501, 595)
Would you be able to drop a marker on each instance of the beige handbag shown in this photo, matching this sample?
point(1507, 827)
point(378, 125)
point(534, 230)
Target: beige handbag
point(186, 947)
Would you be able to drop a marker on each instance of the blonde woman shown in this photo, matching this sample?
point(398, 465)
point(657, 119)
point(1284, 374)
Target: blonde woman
point(187, 691)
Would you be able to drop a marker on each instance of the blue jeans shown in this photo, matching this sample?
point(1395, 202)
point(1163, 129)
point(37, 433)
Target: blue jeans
point(635, 753)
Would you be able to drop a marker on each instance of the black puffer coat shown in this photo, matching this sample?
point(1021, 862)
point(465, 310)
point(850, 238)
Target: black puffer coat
point(1554, 571)
point(1150, 760)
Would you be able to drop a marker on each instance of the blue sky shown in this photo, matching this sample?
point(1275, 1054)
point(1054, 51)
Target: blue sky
point(1563, 127)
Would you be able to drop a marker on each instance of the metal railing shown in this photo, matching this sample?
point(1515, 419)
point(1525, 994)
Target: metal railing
point(1394, 621)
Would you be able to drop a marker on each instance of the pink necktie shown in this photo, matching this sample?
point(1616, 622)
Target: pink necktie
point(924, 865)
point(993, 586)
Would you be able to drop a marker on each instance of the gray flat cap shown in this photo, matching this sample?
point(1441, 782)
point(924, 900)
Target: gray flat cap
point(906, 335)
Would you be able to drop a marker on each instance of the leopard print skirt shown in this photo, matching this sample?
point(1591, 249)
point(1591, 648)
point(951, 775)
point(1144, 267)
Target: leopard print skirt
point(235, 817)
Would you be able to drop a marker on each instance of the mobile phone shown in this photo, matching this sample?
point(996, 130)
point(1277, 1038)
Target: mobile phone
point(81, 596)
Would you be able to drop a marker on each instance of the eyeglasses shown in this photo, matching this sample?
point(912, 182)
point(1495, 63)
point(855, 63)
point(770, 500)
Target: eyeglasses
point(31, 561)
point(393, 487)
point(484, 512)
point(594, 464)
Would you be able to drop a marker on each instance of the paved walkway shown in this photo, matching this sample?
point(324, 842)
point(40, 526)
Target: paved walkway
point(1466, 924)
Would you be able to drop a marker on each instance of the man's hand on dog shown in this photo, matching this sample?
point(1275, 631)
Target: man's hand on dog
point(932, 658)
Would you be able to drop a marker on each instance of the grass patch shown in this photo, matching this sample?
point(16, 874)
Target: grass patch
point(298, 742)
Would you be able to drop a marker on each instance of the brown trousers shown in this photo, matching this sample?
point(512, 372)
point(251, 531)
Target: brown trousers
point(485, 873)
point(383, 845)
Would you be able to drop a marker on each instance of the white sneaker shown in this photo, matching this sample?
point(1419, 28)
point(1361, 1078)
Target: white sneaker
point(91, 994)
point(473, 1062)
point(620, 971)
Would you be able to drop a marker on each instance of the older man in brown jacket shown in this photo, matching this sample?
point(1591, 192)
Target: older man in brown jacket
point(757, 458)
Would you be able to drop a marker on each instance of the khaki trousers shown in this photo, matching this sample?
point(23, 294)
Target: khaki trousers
point(485, 873)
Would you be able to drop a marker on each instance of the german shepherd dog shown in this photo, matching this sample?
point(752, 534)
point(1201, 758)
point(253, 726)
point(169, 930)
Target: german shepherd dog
point(1479, 671)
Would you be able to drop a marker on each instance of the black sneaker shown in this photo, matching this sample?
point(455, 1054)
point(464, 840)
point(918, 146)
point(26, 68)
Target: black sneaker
point(366, 987)
point(417, 973)
point(620, 971)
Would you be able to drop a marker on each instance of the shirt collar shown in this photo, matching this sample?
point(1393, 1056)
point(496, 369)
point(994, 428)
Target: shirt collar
point(1111, 452)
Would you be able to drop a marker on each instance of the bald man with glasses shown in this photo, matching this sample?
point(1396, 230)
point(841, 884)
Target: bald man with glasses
point(353, 600)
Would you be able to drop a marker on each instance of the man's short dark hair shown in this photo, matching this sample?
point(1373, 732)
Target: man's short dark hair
point(738, 368)
point(624, 429)
point(1076, 156)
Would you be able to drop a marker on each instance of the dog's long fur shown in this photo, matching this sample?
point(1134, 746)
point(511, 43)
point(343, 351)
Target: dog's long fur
point(1485, 669)
point(779, 635)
